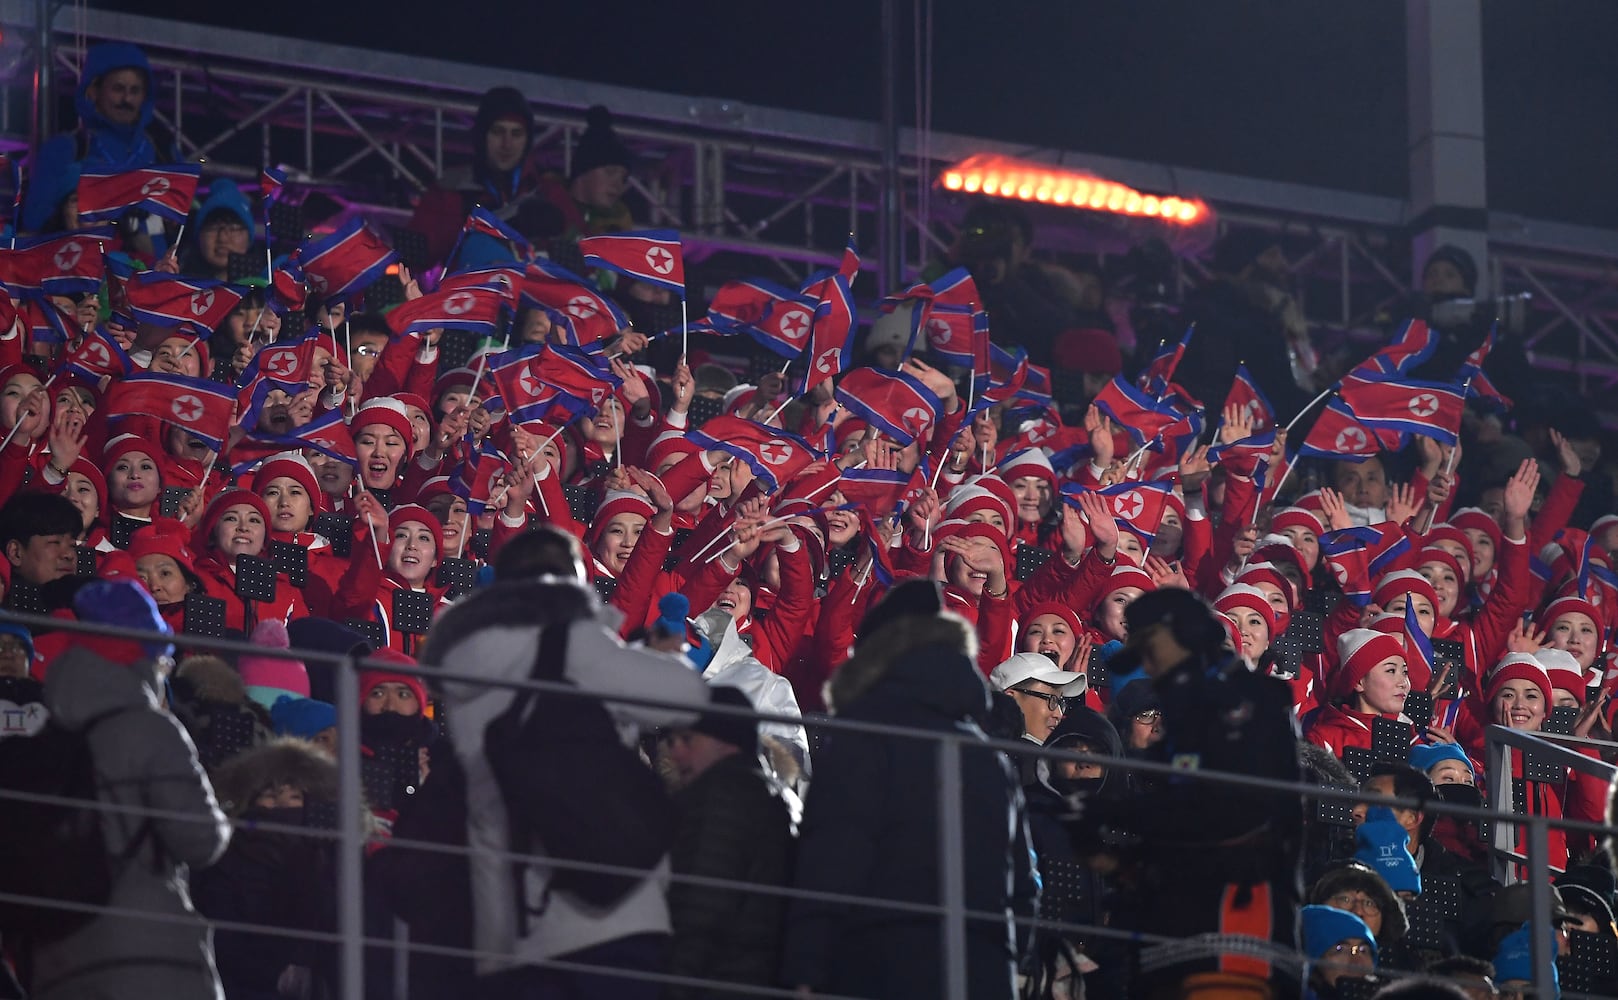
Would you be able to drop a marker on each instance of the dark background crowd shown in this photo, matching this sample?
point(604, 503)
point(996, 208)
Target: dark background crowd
point(455, 453)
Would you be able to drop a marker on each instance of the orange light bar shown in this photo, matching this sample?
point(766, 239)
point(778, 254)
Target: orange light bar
point(1024, 180)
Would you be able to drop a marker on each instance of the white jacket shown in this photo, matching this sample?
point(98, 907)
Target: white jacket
point(596, 661)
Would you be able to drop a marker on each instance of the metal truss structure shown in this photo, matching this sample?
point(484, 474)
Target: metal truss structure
point(763, 188)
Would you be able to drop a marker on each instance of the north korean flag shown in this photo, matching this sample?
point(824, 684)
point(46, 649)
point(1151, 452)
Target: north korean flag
point(1036, 388)
point(878, 490)
point(526, 397)
point(1136, 413)
point(168, 300)
point(1414, 344)
point(1160, 372)
point(270, 182)
point(1418, 649)
point(473, 479)
point(831, 342)
point(284, 365)
point(949, 334)
point(1136, 506)
point(165, 192)
point(590, 316)
point(63, 264)
point(1007, 371)
point(1338, 434)
point(1245, 393)
point(650, 255)
point(895, 403)
point(579, 373)
point(345, 262)
point(45, 321)
point(480, 310)
point(1348, 556)
point(918, 300)
point(1477, 384)
point(1246, 453)
point(774, 455)
point(740, 304)
point(1432, 409)
point(201, 406)
point(327, 434)
point(955, 290)
point(98, 356)
point(482, 222)
point(289, 288)
point(503, 278)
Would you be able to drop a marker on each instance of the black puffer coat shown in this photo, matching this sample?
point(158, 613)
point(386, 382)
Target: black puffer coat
point(731, 826)
point(871, 826)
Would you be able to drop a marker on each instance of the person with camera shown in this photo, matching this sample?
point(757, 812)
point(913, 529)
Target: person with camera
point(1022, 296)
point(1213, 866)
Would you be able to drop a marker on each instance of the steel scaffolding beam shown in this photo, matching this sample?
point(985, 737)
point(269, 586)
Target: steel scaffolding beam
point(765, 184)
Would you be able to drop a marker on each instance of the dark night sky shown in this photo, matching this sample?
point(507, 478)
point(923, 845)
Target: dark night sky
point(1303, 90)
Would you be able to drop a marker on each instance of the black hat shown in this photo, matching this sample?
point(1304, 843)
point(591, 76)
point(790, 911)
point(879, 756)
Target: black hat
point(914, 598)
point(1182, 612)
point(1458, 259)
point(733, 729)
point(599, 146)
point(502, 102)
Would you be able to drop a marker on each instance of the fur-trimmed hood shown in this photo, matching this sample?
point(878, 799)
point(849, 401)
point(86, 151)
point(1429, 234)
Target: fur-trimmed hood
point(285, 761)
point(1323, 767)
point(210, 678)
point(931, 658)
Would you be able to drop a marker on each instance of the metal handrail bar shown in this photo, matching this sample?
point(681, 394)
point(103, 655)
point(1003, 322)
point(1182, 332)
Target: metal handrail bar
point(949, 745)
point(1499, 742)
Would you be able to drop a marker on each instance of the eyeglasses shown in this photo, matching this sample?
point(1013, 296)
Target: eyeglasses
point(367, 351)
point(1150, 715)
point(1056, 702)
point(1354, 902)
point(1349, 949)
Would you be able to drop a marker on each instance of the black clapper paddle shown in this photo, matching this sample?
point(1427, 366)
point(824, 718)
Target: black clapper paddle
point(204, 616)
point(255, 578)
point(337, 529)
point(458, 575)
point(293, 560)
point(412, 611)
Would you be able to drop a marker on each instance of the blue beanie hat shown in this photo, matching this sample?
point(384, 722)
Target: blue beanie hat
point(305, 718)
point(1383, 845)
point(126, 604)
point(225, 196)
point(673, 609)
point(1324, 927)
point(1514, 958)
point(1426, 756)
point(23, 635)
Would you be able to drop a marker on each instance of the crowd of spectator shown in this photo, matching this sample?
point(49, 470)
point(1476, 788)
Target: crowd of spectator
point(1069, 536)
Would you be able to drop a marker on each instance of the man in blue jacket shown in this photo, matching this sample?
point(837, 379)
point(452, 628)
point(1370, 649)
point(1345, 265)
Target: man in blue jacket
point(115, 106)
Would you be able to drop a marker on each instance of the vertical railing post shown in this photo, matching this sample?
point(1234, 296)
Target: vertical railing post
point(1540, 928)
point(951, 867)
point(351, 843)
point(1497, 757)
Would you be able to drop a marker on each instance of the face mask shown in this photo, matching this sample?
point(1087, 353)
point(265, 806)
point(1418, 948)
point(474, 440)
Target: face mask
point(390, 729)
point(285, 815)
point(1365, 516)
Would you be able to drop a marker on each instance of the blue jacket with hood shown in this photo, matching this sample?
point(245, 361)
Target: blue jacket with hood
point(96, 144)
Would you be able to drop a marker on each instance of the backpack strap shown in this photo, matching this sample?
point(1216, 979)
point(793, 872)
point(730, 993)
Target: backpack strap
point(550, 664)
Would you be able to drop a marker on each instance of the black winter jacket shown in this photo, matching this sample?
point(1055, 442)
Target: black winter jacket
point(871, 826)
point(731, 826)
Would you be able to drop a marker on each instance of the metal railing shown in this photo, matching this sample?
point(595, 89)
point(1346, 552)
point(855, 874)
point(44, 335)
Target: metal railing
point(352, 838)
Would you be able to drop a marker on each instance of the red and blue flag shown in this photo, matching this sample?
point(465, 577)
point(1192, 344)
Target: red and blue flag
point(197, 305)
point(345, 262)
point(895, 403)
point(650, 255)
point(165, 192)
point(202, 406)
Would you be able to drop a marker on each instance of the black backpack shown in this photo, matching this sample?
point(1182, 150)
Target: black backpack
point(573, 790)
point(54, 850)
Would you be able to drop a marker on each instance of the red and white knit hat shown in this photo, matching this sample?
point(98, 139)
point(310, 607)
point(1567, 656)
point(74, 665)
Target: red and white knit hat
point(1519, 667)
point(1359, 650)
point(1028, 462)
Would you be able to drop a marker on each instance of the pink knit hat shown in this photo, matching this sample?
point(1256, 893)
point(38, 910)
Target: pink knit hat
point(266, 677)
